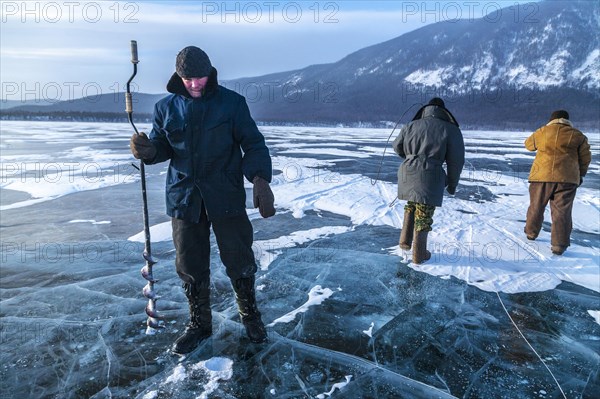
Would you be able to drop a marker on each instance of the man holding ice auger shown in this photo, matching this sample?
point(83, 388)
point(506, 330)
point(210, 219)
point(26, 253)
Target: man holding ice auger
point(212, 142)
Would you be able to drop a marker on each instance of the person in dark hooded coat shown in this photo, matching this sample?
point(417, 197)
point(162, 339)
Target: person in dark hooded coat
point(208, 135)
point(431, 139)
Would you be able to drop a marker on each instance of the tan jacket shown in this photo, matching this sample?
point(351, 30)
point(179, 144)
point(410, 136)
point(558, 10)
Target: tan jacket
point(563, 153)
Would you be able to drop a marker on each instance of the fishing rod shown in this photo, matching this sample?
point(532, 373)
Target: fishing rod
point(374, 181)
point(154, 319)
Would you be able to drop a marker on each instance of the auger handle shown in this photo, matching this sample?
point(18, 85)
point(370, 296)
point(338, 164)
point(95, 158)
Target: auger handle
point(128, 97)
point(134, 53)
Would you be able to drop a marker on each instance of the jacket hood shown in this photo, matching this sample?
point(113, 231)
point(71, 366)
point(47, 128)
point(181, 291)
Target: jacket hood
point(175, 84)
point(435, 111)
point(560, 121)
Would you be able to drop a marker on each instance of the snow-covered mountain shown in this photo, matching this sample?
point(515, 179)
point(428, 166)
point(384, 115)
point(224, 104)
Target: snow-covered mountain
point(541, 55)
point(552, 44)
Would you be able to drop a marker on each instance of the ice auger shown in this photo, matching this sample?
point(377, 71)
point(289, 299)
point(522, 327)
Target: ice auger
point(154, 319)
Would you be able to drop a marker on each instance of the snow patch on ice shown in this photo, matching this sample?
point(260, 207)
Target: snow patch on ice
point(71, 171)
point(92, 221)
point(218, 369)
point(351, 195)
point(316, 296)
point(213, 370)
point(486, 247)
point(334, 387)
point(267, 251)
point(369, 332)
point(151, 395)
point(179, 374)
point(158, 232)
point(595, 314)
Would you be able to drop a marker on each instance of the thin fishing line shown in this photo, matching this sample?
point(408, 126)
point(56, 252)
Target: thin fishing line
point(534, 351)
point(374, 181)
point(508, 314)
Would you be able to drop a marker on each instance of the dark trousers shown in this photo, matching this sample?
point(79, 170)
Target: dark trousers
point(561, 197)
point(192, 245)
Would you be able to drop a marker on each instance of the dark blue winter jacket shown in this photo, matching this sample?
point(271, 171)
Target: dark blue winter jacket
point(212, 142)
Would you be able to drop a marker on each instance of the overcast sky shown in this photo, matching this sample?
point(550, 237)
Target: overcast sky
point(69, 49)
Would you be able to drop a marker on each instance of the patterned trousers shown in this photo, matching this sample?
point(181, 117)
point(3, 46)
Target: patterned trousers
point(423, 215)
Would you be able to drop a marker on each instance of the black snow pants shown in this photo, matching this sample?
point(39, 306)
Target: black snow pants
point(234, 237)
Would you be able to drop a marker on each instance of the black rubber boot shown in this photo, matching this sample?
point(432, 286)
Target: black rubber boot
point(406, 235)
point(200, 326)
point(420, 252)
point(245, 296)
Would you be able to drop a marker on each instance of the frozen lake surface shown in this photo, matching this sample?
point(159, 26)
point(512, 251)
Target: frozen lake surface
point(348, 314)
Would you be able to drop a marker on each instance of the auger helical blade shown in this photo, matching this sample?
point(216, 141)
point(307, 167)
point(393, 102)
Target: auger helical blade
point(147, 274)
point(149, 259)
point(152, 312)
point(149, 292)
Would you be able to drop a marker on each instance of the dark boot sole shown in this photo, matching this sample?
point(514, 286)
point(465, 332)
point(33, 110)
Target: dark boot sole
point(182, 353)
point(190, 349)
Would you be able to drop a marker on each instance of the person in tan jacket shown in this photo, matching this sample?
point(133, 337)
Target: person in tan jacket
point(562, 160)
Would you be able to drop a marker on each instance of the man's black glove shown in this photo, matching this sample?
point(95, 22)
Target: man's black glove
point(142, 147)
point(263, 197)
point(451, 190)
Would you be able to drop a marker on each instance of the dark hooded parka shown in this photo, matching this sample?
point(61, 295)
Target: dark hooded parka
point(431, 139)
point(211, 142)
